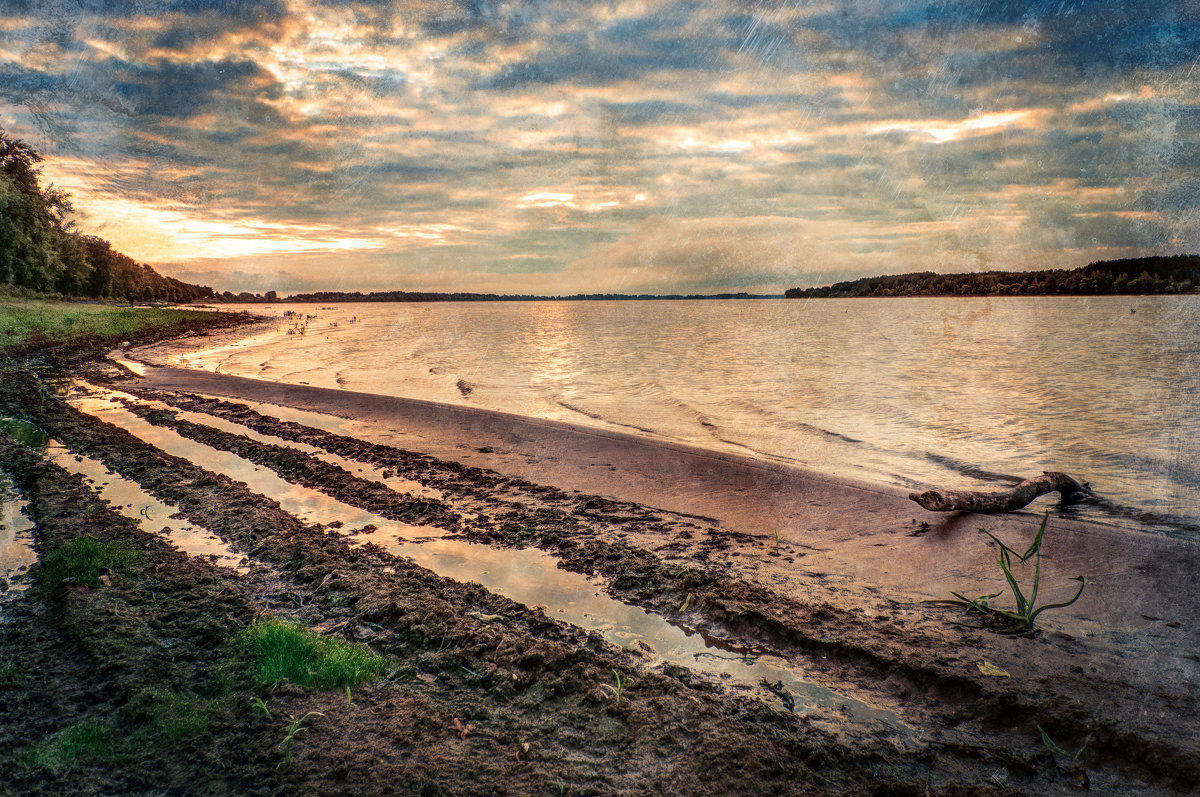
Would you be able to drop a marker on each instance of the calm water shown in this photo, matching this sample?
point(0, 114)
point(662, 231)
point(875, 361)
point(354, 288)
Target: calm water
point(946, 392)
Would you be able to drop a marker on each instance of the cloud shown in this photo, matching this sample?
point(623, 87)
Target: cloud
point(718, 254)
point(170, 89)
point(558, 147)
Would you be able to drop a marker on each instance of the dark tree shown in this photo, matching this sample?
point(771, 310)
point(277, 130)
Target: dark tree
point(41, 252)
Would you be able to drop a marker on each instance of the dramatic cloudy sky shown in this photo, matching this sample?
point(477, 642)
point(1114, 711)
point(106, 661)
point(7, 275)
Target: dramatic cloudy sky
point(558, 146)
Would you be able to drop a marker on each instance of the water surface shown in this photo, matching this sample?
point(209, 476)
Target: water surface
point(930, 392)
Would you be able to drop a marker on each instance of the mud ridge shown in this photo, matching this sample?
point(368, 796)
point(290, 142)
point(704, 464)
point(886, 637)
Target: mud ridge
point(476, 677)
point(867, 650)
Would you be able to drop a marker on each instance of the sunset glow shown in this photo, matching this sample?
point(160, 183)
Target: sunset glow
point(507, 147)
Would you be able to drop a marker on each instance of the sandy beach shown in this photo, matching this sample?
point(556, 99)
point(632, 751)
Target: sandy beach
point(852, 529)
point(828, 579)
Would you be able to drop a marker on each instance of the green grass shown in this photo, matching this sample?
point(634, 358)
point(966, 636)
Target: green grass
point(164, 717)
point(294, 728)
point(282, 651)
point(152, 718)
point(84, 559)
point(89, 739)
point(27, 433)
point(60, 321)
point(616, 691)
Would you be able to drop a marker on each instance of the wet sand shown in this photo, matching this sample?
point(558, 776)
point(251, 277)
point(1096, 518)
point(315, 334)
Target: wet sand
point(828, 577)
point(1127, 647)
point(853, 530)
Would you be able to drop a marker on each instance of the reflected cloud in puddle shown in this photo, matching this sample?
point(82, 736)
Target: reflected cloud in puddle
point(528, 576)
point(16, 540)
point(152, 515)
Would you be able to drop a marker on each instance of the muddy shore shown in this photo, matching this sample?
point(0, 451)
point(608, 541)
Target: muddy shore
point(488, 695)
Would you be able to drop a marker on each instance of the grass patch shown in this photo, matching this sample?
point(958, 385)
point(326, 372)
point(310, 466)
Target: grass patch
point(152, 719)
point(165, 717)
point(23, 320)
point(27, 433)
point(282, 651)
point(89, 739)
point(10, 674)
point(84, 559)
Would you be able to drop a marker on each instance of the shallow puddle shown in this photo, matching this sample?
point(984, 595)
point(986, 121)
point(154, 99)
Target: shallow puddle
point(317, 420)
point(528, 576)
point(532, 577)
point(309, 505)
point(360, 469)
point(16, 540)
point(133, 366)
point(152, 515)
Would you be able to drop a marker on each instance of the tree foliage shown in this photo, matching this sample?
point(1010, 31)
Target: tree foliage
point(1139, 275)
point(41, 252)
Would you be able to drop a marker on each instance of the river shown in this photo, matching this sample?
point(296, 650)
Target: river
point(912, 392)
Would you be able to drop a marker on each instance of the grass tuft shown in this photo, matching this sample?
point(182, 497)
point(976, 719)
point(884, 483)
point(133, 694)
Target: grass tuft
point(85, 559)
point(283, 651)
point(166, 717)
point(87, 740)
point(293, 730)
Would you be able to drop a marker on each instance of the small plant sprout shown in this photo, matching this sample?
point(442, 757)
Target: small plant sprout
point(349, 698)
point(294, 728)
point(258, 704)
point(615, 691)
point(776, 551)
point(1020, 619)
point(1074, 768)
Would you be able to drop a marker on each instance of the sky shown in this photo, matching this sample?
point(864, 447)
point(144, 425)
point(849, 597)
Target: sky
point(636, 146)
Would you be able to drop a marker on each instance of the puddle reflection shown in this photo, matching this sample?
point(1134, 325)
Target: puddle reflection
point(528, 576)
point(152, 515)
point(16, 540)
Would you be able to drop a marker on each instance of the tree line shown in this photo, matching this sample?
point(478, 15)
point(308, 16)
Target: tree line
point(1137, 275)
point(426, 296)
point(41, 252)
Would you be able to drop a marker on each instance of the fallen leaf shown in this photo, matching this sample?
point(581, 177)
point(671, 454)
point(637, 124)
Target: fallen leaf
point(987, 668)
point(106, 579)
point(463, 728)
point(427, 677)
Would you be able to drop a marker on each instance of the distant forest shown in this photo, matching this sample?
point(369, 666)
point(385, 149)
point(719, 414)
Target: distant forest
point(1140, 275)
point(416, 296)
point(42, 253)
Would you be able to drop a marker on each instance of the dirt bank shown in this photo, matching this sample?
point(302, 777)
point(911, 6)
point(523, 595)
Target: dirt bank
point(487, 696)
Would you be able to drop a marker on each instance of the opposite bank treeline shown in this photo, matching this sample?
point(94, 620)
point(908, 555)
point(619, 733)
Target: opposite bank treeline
point(42, 253)
point(1140, 275)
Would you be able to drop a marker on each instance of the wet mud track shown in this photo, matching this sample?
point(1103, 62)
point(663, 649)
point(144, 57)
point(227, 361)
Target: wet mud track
point(484, 695)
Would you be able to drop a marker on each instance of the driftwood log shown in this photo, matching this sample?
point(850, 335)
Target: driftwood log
point(1070, 491)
